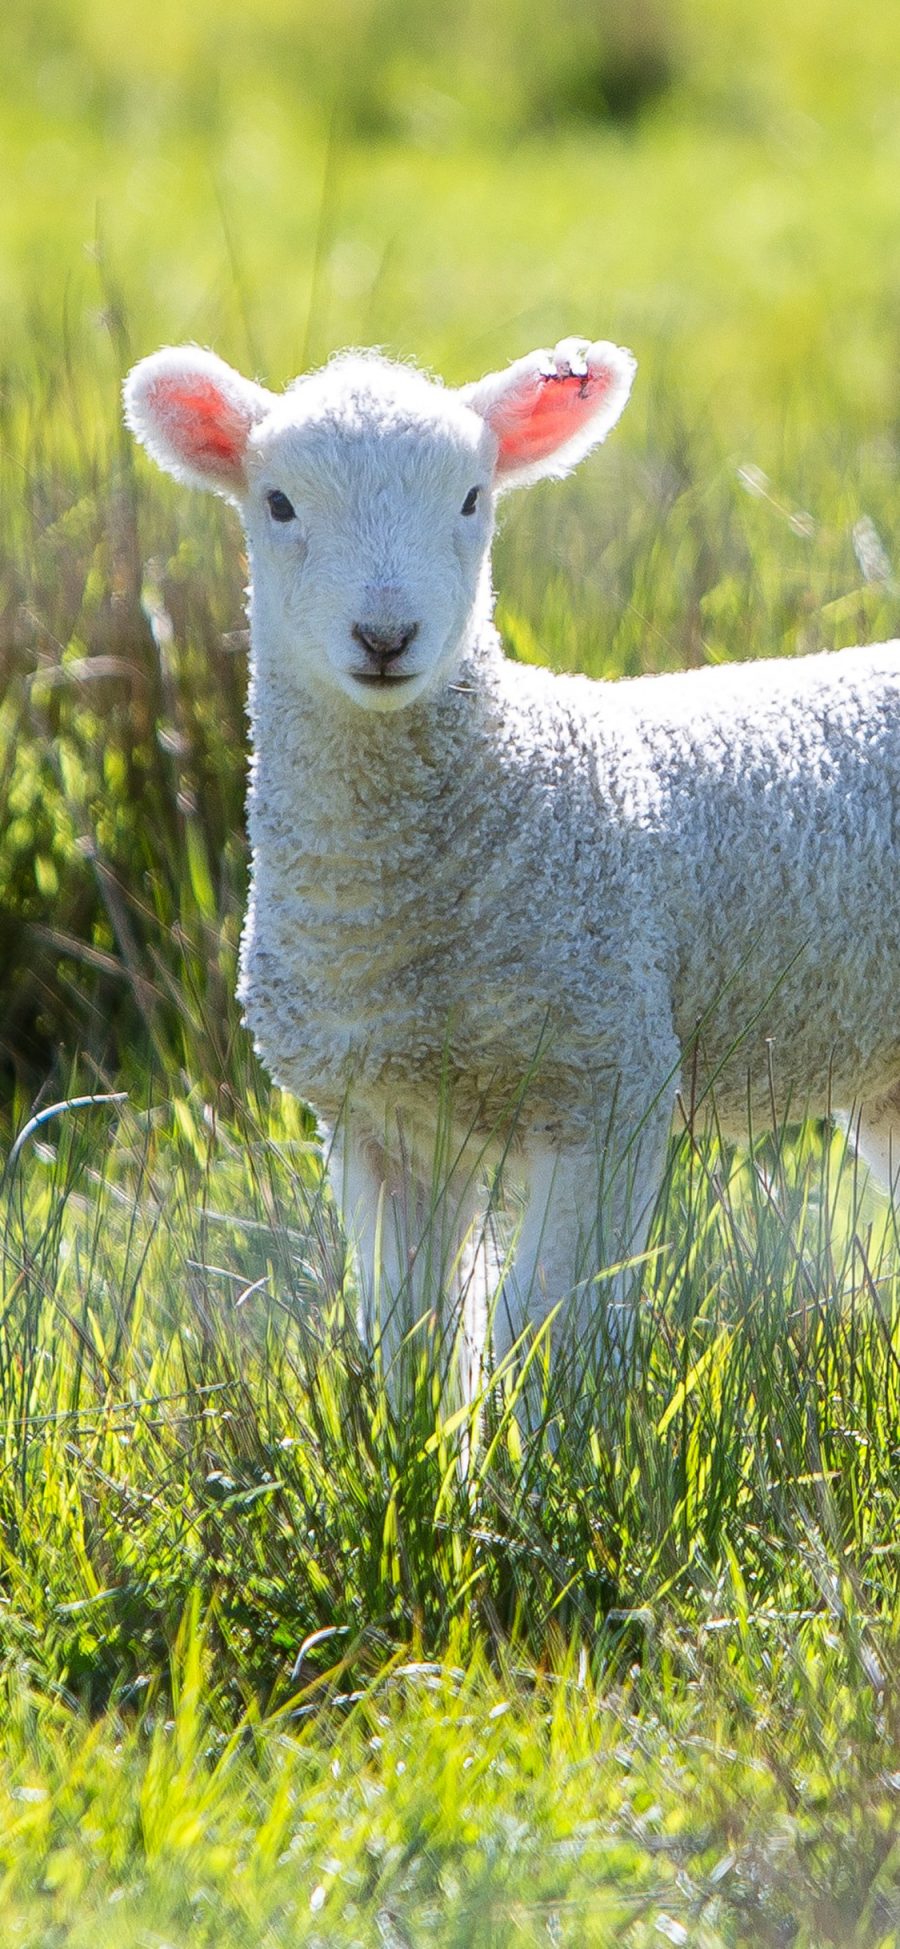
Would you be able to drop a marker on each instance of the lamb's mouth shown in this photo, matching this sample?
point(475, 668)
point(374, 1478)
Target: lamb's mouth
point(383, 678)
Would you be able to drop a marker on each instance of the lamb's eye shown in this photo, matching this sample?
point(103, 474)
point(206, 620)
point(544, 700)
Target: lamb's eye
point(279, 506)
point(471, 501)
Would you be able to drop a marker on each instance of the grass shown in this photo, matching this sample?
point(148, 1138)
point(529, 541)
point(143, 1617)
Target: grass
point(654, 1655)
point(444, 1807)
point(276, 1669)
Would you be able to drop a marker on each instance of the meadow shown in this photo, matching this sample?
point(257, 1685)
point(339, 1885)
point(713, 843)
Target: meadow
point(275, 1669)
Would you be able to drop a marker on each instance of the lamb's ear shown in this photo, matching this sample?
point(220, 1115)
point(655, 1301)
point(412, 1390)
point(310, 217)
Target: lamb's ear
point(194, 415)
point(549, 409)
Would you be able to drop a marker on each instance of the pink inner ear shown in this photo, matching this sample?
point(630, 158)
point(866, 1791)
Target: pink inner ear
point(533, 424)
point(205, 428)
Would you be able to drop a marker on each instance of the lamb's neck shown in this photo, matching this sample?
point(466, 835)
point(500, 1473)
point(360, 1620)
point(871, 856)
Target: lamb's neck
point(326, 775)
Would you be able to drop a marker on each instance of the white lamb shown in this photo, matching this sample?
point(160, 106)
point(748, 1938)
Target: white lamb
point(501, 915)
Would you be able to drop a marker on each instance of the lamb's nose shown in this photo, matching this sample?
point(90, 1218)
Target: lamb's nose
point(384, 644)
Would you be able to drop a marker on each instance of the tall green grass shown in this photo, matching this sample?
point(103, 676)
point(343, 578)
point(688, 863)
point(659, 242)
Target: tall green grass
point(447, 1806)
point(209, 1420)
point(318, 1640)
point(292, 1651)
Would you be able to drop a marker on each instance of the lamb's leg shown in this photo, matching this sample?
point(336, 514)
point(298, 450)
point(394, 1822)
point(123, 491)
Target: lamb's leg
point(874, 1131)
point(414, 1263)
point(585, 1212)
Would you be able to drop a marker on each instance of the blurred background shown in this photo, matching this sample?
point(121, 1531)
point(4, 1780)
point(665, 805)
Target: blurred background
point(715, 183)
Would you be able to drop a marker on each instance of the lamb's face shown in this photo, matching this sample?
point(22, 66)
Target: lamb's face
point(369, 512)
point(367, 494)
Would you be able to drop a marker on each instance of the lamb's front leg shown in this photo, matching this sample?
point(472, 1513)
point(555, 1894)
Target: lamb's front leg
point(409, 1238)
point(588, 1209)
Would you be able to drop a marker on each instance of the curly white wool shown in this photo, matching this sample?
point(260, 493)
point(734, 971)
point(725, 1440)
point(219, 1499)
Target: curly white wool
point(502, 915)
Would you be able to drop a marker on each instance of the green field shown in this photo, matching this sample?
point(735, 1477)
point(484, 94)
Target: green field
point(275, 1669)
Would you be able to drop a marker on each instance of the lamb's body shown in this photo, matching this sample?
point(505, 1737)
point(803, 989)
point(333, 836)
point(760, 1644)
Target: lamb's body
point(502, 915)
point(597, 871)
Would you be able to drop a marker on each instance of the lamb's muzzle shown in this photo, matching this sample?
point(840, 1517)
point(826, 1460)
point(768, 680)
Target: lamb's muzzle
point(383, 647)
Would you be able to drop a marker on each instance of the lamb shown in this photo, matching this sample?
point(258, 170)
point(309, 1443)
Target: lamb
point(500, 916)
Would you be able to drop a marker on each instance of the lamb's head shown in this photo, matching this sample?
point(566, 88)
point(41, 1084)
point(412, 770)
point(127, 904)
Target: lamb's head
point(367, 493)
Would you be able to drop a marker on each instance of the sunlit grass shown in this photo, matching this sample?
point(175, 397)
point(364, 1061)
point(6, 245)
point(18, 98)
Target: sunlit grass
point(345, 1645)
point(453, 1805)
point(208, 1416)
point(291, 1651)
